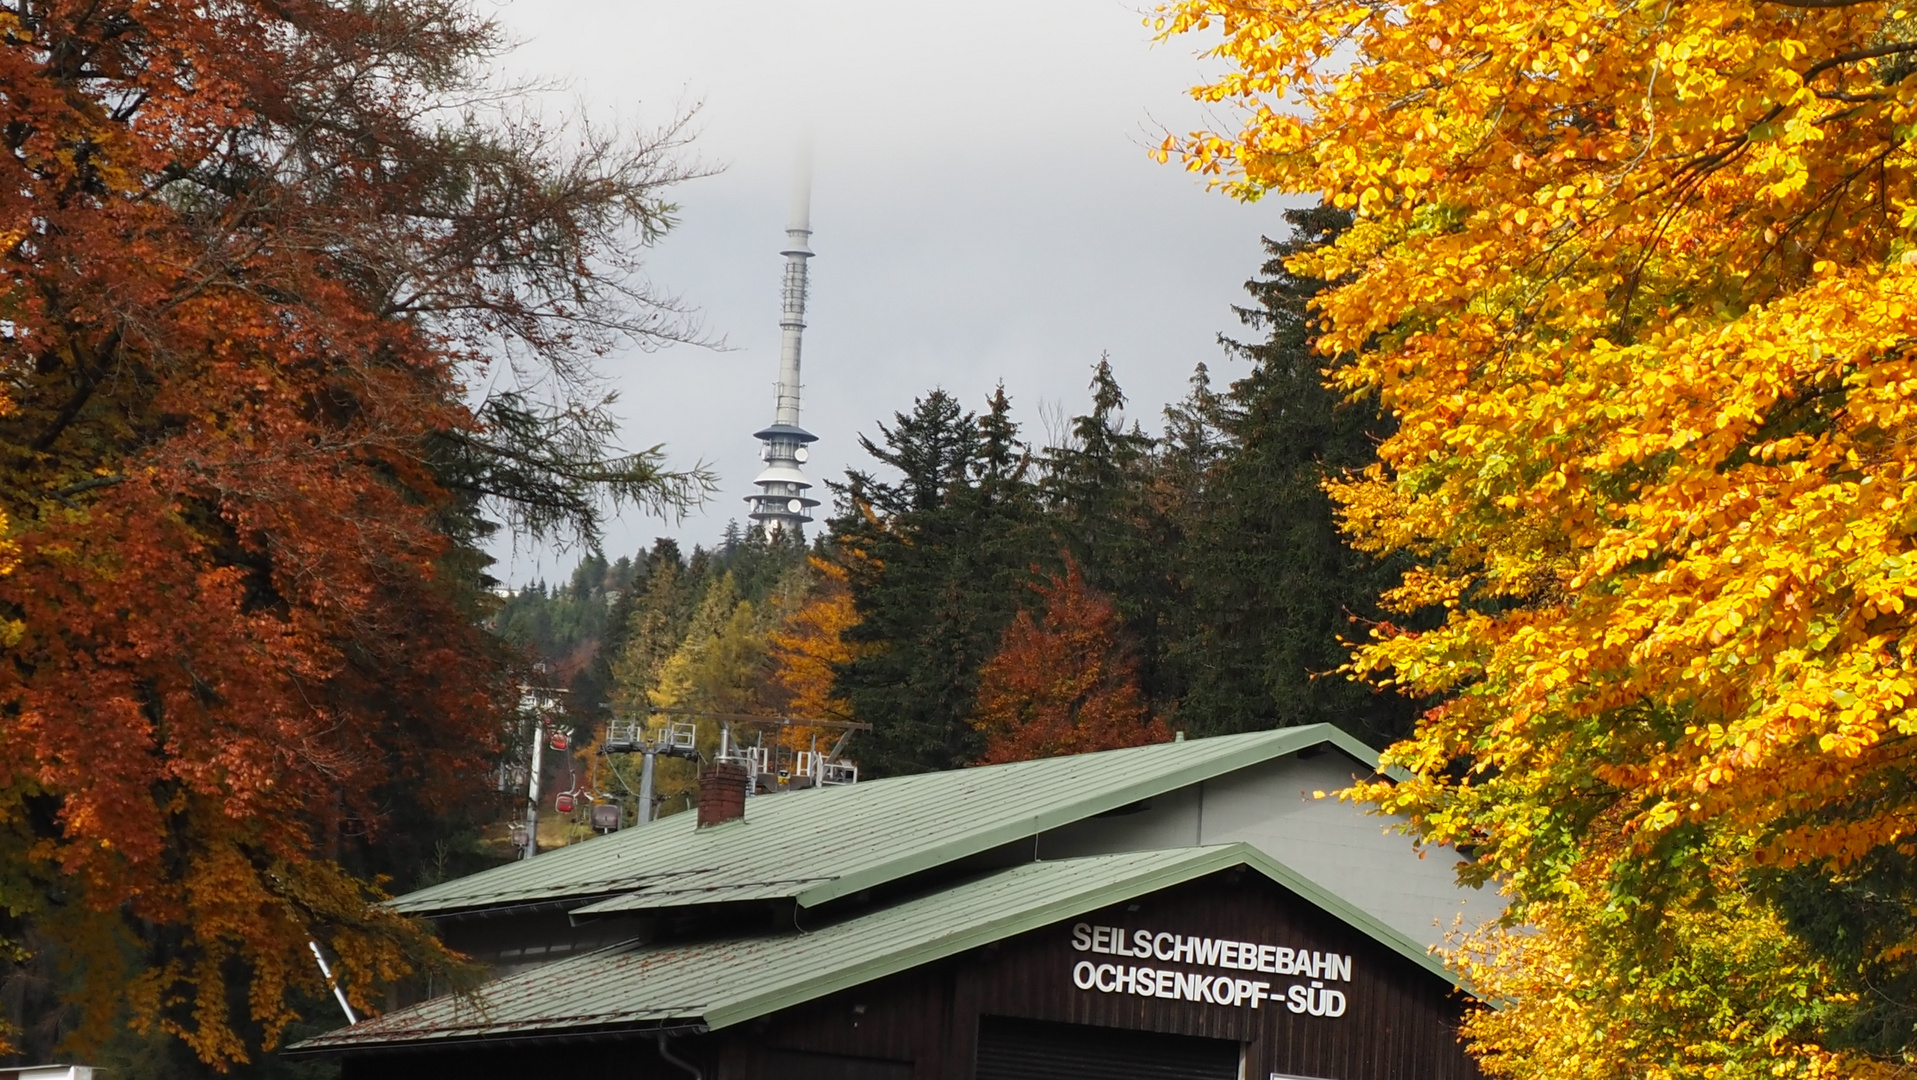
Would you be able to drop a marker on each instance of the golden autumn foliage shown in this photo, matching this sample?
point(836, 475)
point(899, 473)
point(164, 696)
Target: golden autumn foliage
point(1065, 682)
point(756, 643)
point(1727, 994)
point(809, 646)
point(1637, 282)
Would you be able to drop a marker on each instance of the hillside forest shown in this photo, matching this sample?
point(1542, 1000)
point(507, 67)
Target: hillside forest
point(983, 593)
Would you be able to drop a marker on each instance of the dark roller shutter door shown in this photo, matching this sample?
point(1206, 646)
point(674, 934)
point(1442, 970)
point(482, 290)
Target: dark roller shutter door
point(1034, 1050)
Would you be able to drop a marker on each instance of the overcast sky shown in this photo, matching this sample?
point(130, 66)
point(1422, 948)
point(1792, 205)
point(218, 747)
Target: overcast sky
point(984, 209)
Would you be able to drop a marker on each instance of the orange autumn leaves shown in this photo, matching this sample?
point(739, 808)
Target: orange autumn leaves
point(1638, 284)
point(244, 634)
point(1065, 682)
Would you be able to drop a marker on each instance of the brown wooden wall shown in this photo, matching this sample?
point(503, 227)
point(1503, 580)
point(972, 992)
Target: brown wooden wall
point(1400, 1022)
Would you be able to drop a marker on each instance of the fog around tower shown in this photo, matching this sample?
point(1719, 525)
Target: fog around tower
point(983, 208)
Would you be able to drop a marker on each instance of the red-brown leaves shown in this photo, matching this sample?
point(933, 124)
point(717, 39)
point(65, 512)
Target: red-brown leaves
point(1066, 683)
point(241, 653)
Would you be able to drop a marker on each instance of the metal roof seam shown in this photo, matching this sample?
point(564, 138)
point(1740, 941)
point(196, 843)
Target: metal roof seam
point(738, 979)
point(516, 991)
point(1042, 821)
point(939, 949)
point(879, 845)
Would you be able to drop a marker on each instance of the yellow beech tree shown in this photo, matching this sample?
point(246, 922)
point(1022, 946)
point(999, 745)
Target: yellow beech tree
point(1637, 282)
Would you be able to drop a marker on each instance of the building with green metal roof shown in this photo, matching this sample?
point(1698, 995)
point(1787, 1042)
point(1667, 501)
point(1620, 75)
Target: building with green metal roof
point(1194, 905)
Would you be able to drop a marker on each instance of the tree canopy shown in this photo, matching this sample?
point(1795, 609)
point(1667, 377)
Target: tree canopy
point(1212, 540)
point(1634, 284)
point(258, 257)
point(1065, 682)
point(933, 560)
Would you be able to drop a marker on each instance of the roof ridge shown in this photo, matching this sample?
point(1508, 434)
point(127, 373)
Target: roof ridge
point(1140, 749)
point(1005, 803)
point(1090, 805)
point(921, 931)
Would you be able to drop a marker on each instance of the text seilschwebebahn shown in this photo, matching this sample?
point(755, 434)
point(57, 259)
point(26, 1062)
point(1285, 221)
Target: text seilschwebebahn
point(1313, 997)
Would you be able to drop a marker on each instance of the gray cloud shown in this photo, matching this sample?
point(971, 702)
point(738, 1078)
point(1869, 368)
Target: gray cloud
point(983, 204)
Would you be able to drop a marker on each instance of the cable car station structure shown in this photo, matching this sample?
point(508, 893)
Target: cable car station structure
point(1181, 911)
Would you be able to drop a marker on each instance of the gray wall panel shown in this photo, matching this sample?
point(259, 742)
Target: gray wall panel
point(1358, 856)
point(1169, 821)
point(1349, 852)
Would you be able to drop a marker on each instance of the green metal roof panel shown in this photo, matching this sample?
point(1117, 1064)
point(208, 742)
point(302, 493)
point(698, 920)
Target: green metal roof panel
point(720, 983)
point(819, 844)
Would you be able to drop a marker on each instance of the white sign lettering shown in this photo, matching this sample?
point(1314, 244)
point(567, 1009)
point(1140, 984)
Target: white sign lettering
point(1312, 997)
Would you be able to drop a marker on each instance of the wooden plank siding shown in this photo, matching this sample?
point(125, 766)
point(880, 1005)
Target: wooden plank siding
point(1400, 1022)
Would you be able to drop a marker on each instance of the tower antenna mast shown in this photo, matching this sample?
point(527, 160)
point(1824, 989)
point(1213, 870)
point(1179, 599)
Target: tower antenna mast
point(784, 499)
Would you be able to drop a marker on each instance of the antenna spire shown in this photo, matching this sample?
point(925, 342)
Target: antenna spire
point(783, 500)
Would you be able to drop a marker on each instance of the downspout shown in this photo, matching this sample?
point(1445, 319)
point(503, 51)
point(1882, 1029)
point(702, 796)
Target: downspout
point(666, 1053)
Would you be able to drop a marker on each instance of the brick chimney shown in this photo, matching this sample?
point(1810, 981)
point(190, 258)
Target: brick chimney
point(722, 793)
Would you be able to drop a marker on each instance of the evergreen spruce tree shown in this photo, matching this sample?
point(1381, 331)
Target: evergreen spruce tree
point(1100, 508)
point(1192, 448)
point(935, 558)
point(1272, 587)
point(759, 561)
point(656, 623)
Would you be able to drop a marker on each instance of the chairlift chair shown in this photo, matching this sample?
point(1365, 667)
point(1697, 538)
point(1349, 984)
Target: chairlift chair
point(606, 816)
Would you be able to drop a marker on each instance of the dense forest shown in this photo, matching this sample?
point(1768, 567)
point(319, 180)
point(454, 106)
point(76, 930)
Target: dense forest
point(981, 595)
